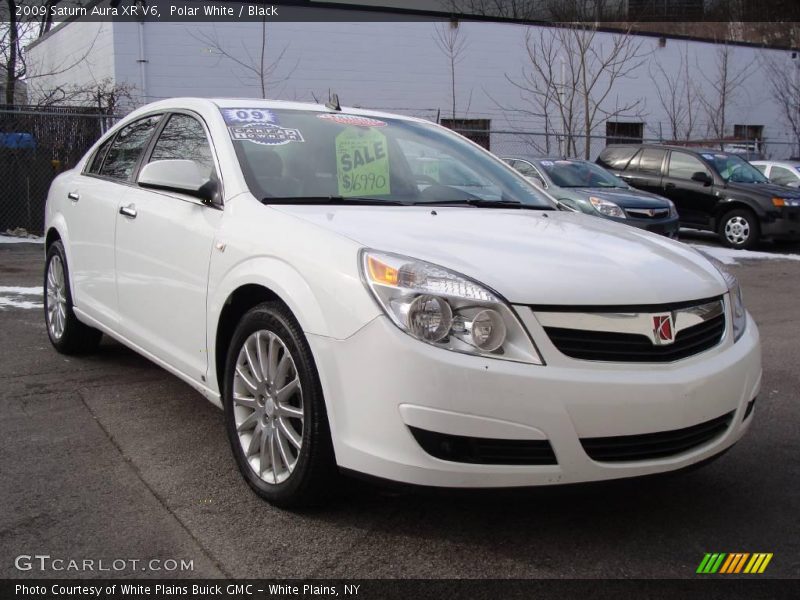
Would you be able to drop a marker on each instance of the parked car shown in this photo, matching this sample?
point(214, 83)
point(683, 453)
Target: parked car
point(713, 190)
point(285, 261)
point(585, 187)
point(780, 172)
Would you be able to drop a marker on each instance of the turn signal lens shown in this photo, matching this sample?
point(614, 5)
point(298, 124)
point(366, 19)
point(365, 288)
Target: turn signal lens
point(779, 202)
point(381, 272)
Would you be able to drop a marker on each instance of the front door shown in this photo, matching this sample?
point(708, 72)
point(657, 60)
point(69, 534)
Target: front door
point(694, 200)
point(163, 249)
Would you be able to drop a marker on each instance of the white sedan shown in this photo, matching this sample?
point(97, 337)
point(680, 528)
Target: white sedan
point(355, 303)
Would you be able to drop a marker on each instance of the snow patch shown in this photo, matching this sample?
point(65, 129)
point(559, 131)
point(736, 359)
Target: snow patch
point(20, 297)
point(12, 239)
point(729, 256)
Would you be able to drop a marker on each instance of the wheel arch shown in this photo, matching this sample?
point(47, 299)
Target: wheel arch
point(730, 204)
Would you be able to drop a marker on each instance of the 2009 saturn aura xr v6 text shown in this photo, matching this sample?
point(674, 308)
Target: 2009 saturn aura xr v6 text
point(372, 293)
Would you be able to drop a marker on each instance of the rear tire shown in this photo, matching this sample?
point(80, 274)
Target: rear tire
point(275, 411)
point(739, 228)
point(67, 334)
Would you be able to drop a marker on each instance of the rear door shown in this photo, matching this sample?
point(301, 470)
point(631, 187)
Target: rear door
point(694, 200)
point(644, 170)
point(94, 202)
point(163, 248)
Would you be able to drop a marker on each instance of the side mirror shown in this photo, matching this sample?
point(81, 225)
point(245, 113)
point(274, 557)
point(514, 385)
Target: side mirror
point(702, 177)
point(184, 176)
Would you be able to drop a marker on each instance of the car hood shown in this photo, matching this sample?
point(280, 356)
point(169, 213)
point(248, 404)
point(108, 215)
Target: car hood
point(531, 257)
point(766, 189)
point(623, 197)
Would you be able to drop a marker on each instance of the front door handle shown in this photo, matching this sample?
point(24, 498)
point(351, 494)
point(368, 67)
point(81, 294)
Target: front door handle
point(74, 196)
point(128, 211)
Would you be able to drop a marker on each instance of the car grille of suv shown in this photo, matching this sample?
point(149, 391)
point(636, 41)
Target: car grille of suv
point(484, 451)
point(631, 347)
point(647, 213)
point(655, 445)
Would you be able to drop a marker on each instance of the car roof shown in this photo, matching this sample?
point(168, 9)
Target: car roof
point(779, 163)
point(695, 149)
point(188, 102)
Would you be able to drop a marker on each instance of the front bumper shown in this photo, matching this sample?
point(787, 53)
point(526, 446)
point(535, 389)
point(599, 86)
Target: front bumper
point(380, 382)
point(668, 227)
point(783, 225)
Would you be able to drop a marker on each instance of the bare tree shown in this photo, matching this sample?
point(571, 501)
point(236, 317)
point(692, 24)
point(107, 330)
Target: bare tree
point(572, 71)
point(450, 41)
point(784, 80)
point(260, 68)
point(677, 96)
point(105, 94)
point(723, 87)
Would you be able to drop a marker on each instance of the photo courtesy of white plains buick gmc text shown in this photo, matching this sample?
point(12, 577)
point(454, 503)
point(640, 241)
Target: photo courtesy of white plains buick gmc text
point(368, 293)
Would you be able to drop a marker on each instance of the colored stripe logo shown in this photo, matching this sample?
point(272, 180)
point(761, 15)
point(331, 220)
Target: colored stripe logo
point(735, 562)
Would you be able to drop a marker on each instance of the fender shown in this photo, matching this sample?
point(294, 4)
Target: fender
point(727, 198)
point(340, 320)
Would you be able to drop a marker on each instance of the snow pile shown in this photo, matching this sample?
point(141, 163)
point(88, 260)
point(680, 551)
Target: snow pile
point(14, 239)
point(20, 297)
point(729, 256)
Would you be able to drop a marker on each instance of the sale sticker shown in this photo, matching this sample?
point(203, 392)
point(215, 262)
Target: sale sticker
point(362, 163)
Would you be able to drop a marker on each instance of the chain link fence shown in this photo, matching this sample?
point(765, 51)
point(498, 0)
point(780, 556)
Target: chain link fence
point(36, 145)
point(507, 143)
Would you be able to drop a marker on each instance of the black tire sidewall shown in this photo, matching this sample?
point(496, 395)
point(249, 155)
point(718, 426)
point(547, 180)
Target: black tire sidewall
point(316, 435)
point(755, 230)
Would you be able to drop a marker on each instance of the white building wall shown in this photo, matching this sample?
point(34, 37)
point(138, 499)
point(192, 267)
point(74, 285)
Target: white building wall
point(398, 66)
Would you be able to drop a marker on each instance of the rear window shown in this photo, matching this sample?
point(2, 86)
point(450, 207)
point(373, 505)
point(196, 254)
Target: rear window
point(616, 157)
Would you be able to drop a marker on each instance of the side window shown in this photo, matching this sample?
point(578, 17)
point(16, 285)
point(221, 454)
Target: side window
point(782, 175)
point(183, 138)
point(650, 160)
point(99, 155)
point(126, 148)
point(683, 166)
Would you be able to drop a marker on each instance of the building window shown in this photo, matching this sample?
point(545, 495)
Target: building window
point(475, 129)
point(624, 133)
point(748, 132)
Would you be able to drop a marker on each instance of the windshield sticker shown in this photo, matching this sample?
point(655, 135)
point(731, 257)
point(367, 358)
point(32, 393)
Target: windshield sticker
point(265, 134)
point(246, 116)
point(547, 163)
point(708, 156)
point(362, 163)
point(722, 156)
point(351, 120)
point(431, 169)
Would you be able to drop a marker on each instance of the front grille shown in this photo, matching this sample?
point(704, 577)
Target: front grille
point(646, 213)
point(484, 451)
point(654, 445)
point(631, 347)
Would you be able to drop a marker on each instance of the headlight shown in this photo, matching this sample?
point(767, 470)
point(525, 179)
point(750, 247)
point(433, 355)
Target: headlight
point(445, 309)
point(673, 212)
point(735, 292)
point(607, 208)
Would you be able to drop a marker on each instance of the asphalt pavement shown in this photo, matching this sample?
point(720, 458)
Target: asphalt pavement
point(108, 457)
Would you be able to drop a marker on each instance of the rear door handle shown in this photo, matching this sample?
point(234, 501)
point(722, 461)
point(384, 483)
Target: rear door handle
point(74, 196)
point(128, 211)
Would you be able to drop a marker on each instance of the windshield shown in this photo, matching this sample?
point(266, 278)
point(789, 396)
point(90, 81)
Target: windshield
point(293, 156)
point(578, 173)
point(732, 168)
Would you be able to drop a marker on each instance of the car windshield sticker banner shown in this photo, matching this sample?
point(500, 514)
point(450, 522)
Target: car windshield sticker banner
point(362, 163)
point(259, 126)
point(351, 120)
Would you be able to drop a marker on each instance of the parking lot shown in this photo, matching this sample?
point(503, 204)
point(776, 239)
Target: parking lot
point(110, 457)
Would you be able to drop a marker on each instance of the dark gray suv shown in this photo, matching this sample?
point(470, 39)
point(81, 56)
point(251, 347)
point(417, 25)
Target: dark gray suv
point(712, 190)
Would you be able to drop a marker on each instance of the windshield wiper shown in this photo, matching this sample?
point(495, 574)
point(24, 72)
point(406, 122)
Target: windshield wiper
point(477, 202)
point(334, 200)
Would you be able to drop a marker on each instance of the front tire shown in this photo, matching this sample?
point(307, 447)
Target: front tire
point(67, 334)
point(274, 410)
point(739, 229)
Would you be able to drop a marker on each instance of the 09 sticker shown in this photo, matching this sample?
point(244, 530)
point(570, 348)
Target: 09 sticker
point(362, 163)
point(258, 125)
point(245, 116)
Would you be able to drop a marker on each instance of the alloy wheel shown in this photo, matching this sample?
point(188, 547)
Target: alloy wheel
point(268, 406)
point(56, 298)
